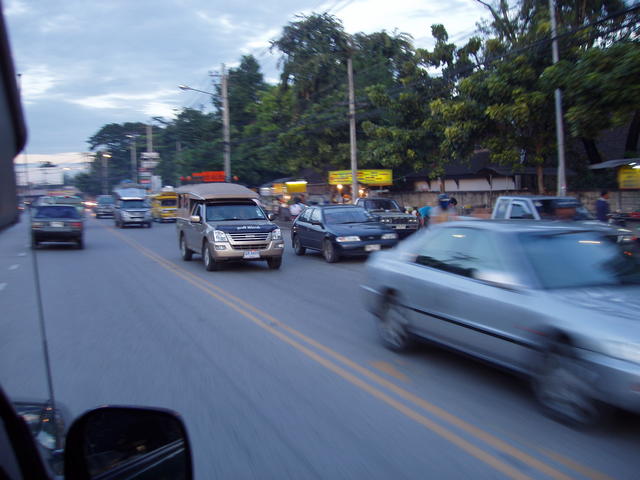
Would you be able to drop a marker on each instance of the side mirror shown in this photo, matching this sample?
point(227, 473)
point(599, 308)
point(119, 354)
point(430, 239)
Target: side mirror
point(123, 442)
point(271, 217)
point(195, 218)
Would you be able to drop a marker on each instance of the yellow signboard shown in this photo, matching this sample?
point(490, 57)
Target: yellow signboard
point(278, 188)
point(629, 177)
point(299, 186)
point(366, 177)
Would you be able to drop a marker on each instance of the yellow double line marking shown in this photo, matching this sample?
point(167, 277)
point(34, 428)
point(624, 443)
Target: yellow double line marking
point(276, 328)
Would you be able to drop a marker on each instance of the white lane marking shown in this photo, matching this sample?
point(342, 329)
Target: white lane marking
point(2, 285)
point(22, 254)
point(14, 267)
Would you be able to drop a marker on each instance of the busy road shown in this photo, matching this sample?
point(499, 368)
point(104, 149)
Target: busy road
point(276, 373)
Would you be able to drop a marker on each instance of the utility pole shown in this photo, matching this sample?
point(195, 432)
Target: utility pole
point(352, 132)
point(562, 180)
point(149, 138)
point(225, 126)
point(105, 172)
point(134, 163)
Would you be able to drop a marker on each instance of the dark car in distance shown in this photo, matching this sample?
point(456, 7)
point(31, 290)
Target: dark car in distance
point(104, 206)
point(56, 223)
point(340, 230)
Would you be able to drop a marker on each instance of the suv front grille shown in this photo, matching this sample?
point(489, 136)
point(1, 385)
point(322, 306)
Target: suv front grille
point(250, 246)
point(249, 237)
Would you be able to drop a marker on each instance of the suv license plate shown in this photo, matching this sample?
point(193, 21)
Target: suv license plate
point(371, 248)
point(251, 254)
point(57, 224)
point(400, 227)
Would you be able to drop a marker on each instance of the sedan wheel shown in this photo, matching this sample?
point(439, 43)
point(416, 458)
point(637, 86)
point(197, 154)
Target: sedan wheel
point(297, 246)
point(329, 252)
point(562, 390)
point(392, 328)
point(185, 253)
point(209, 262)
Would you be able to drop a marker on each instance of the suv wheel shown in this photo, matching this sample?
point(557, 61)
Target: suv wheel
point(329, 252)
point(274, 262)
point(297, 246)
point(209, 262)
point(185, 253)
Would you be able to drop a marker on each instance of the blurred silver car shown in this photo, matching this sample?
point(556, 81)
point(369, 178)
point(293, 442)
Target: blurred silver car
point(557, 302)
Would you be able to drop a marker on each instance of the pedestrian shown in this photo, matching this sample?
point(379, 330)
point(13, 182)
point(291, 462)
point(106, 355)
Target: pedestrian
point(602, 206)
point(424, 213)
point(444, 211)
point(296, 208)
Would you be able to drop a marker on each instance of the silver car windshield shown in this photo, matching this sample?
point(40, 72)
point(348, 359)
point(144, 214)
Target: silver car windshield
point(579, 259)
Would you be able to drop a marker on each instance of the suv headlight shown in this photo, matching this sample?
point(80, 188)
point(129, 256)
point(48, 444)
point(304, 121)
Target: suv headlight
point(348, 238)
point(276, 234)
point(623, 350)
point(389, 236)
point(219, 236)
point(385, 220)
point(413, 220)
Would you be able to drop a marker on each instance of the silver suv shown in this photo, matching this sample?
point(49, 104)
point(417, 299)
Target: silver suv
point(223, 222)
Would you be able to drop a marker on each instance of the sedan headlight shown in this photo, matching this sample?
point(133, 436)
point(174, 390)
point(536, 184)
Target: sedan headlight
point(276, 234)
point(389, 236)
point(385, 220)
point(413, 220)
point(348, 238)
point(220, 236)
point(623, 350)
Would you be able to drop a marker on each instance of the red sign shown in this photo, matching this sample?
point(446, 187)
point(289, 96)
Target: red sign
point(210, 176)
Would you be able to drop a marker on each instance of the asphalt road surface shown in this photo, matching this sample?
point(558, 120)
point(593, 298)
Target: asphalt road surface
point(277, 374)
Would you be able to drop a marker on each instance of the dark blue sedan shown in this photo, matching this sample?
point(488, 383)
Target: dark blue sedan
point(340, 230)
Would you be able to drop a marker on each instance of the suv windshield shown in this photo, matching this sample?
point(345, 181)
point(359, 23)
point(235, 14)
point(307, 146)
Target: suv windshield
point(128, 204)
point(56, 211)
point(579, 259)
point(346, 215)
point(233, 211)
point(384, 204)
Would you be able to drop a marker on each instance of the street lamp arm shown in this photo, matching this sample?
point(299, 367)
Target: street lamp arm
point(185, 87)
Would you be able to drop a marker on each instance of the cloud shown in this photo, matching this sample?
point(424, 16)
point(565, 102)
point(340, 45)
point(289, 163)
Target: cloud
point(36, 81)
point(15, 7)
point(121, 100)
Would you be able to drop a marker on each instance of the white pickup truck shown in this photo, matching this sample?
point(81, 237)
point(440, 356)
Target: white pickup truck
point(537, 207)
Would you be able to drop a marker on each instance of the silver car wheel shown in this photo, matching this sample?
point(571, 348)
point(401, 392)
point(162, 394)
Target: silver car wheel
point(563, 392)
point(392, 328)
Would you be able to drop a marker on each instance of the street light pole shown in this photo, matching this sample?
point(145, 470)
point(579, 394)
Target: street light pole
point(105, 172)
point(562, 181)
point(225, 120)
point(352, 133)
point(225, 126)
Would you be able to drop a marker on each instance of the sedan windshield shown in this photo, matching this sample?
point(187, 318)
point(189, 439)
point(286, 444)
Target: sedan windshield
point(579, 259)
point(347, 215)
point(56, 211)
point(225, 211)
point(385, 204)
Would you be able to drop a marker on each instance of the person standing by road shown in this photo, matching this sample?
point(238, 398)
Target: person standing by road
point(602, 207)
point(444, 212)
point(296, 208)
point(424, 213)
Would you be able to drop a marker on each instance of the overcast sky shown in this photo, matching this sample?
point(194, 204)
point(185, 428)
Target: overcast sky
point(86, 63)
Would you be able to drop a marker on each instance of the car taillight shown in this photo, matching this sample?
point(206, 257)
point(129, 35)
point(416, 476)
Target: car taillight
point(76, 224)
